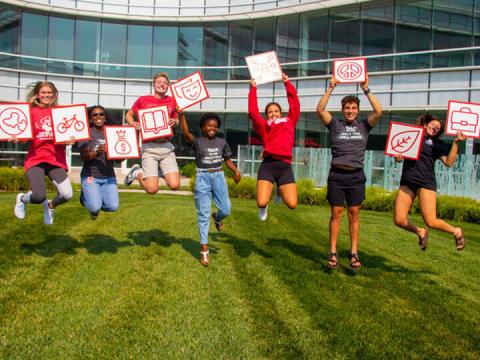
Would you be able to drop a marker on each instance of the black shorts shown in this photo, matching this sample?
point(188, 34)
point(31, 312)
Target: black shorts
point(415, 186)
point(276, 171)
point(346, 186)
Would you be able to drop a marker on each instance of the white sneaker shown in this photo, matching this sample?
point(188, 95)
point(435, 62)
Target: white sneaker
point(262, 213)
point(20, 207)
point(132, 175)
point(48, 214)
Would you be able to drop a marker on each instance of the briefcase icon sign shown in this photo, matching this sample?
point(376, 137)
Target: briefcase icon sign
point(464, 120)
point(154, 121)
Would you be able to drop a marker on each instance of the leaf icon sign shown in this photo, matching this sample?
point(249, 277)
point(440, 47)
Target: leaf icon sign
point(403, 141)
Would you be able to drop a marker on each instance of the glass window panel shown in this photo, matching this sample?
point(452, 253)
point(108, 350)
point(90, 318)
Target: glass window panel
point(216, 50)
point(114, 43)
point(288, 34)
point(264, 35)
point(34, 40)
point(477, 31)
point(165, 44)
point(139, 50)
point(87, 46)
point(314, 43)
point(190, 48)
point(60, 44)
point(241, 45)
point(378, 34)
point(345, 31)
point(9, 31)
point(414, 33)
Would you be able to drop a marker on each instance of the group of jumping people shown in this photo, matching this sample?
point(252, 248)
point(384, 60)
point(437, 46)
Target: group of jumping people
point(346, 180)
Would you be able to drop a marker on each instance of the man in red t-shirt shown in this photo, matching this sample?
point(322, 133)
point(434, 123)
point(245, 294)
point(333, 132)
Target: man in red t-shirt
point(158, 153)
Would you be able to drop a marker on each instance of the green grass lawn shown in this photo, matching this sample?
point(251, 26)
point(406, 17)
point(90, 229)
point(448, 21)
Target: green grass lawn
point(129, 285)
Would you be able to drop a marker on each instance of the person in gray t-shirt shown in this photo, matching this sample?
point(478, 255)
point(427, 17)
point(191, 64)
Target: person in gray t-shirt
point(346, 181)
point(210, 181)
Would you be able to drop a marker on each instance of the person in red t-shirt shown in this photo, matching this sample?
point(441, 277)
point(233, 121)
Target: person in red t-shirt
point(278, 137)
point(44, 156)
point(158, 153)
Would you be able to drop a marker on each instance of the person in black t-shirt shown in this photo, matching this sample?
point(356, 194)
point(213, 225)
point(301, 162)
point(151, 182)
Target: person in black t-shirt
point(210, 181)
point(99, 184)
point(346, 180)
point(418, 180)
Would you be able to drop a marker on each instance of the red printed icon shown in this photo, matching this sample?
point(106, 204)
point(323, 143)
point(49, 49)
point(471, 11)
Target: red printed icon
point(66, 124)
point(404, 141)
point(13, 121)
point(122, 147)
point(154, 121)
point(464, 120)
point(190, 89)
point(350, 71)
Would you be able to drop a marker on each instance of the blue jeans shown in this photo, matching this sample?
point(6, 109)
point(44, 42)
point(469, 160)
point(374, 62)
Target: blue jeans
point(208, 185)
point(100, 194)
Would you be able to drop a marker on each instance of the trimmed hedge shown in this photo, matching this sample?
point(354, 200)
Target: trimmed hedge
point(377, 199)
point(14, 179)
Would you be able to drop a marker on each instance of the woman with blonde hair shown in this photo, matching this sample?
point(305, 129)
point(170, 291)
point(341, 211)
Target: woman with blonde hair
point(44, 156)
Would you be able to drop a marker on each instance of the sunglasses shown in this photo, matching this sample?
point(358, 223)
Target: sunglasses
point(97, 114)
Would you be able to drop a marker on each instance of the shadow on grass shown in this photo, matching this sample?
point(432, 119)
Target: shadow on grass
point(55, 244)
point(243, 248)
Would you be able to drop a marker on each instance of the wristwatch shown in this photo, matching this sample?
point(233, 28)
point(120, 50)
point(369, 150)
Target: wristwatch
point(366, 92)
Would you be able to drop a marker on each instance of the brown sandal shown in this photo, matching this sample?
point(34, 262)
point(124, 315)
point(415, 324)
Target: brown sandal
point(332, 260)
point(459, 239)
point(355, 263)
point(423, 242)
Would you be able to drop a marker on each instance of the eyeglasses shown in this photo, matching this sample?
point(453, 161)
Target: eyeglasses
point(97, 114)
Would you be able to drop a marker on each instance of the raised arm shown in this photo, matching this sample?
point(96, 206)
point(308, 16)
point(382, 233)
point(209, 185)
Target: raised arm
point(184, 126)
point(131, 120)
point(253, 113)
point(374, 116)
point(293, 102)
point(452, 155)
point(324, 115)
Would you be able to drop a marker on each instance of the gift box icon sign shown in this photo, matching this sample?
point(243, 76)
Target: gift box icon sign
point(464, 120)
point(154, 121)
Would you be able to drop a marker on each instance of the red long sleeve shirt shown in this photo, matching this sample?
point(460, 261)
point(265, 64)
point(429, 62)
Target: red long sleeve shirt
point(278, 135)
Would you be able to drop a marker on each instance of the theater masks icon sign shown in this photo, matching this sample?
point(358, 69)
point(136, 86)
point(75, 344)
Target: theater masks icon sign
point(189, 90)
point(15, 121)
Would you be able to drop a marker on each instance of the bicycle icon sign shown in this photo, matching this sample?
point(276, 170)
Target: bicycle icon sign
point(350, 70)
point(66, 124)
point(70, 122)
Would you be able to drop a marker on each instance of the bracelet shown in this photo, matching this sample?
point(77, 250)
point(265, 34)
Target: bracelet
point(366, 92)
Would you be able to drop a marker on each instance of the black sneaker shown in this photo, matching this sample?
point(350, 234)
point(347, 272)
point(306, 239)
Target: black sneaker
point(218, 224)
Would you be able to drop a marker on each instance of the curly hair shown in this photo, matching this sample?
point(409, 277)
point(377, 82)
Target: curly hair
point(423, 120)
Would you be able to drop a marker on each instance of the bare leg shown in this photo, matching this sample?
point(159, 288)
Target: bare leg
point(289, 195)
point(353, 226)
point(173, 180)
point(264, 191)
point(428, 207)
point(149, 184)
point(336, 213)
point(403, 203)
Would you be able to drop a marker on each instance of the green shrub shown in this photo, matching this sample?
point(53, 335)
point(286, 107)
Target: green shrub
point(14, 179)
point(189, 169)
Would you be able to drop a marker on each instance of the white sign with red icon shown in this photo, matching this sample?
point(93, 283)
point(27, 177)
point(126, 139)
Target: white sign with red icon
point(189, 91)
point(15, 121)
point(154, 123)
point(350, 70)
point(404, 139)
point(464, 117)
point(264, 68)
point(70, 123)
point(122, 142)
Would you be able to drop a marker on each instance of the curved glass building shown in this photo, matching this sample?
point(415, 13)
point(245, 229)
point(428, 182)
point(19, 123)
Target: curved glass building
point(419, 54)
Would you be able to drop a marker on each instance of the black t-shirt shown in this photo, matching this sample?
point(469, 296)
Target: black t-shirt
point(422, 171)
point(209, 154)
point(349, 141)
point(99, 167)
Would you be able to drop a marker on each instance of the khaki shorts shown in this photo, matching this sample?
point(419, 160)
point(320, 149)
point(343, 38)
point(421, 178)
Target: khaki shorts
point(158, 159)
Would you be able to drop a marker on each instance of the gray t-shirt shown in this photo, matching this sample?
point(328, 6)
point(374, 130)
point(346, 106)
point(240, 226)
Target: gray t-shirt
point(99, 167)
point(349, 142)
point(209, 154)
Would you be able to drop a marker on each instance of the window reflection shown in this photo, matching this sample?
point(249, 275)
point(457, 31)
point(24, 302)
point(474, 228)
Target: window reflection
point(9, 31)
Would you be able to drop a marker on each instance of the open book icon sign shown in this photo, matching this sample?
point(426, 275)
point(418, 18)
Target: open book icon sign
point(154, 121)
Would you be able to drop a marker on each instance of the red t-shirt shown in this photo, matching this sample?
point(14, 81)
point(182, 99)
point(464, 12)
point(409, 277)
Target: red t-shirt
point(278, 135)
point(42, 149)
point(150, 101)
